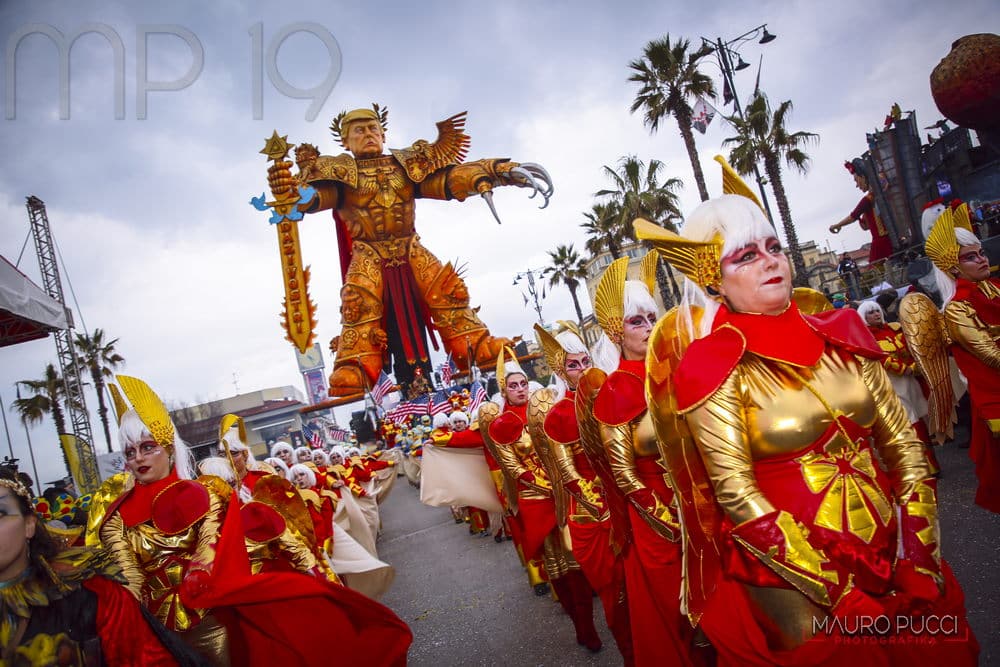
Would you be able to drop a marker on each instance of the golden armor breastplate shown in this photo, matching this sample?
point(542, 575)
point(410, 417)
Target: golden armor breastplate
point(382, 204)
point(784, 417)
point(644, 437)
point(164, 560)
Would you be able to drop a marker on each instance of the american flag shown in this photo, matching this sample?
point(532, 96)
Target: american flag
point(478, 396)
point(448, 369)
point(418, 406)
point(340, 435)
point(382, 388)
point(312, 436)
point(439, 403)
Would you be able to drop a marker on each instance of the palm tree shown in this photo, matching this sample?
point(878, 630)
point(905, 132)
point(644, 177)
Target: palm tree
point(762, 136)
point(47, 397)
point(100, 357)
point(604, 231)
point(638, 193)
point(567, 268)
point(668, 76)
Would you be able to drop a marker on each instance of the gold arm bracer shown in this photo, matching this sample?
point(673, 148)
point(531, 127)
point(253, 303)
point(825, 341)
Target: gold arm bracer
point(113, 540)
point(898, 446)
point(968, 330)
point(299, 554)
point(719, 426)
point(469, 178)
point(618, 446)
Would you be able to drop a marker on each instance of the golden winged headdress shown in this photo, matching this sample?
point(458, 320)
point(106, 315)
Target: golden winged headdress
point(150, 409)
point(609, 299)
point(700, 261)
point(503, 371)
point(552, 350)
point(942, 246)
point(118, 401)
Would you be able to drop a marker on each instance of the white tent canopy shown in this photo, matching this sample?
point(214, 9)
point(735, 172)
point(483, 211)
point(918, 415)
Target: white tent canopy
point(26, 311)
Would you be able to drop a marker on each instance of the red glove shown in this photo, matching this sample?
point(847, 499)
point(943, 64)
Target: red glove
point(527, 477)
point(656, 513)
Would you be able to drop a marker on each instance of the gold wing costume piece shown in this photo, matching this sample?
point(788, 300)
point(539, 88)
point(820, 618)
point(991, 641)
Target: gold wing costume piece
point(488, 412)
point(539, 405)
point(700, 516)
point(928, 341)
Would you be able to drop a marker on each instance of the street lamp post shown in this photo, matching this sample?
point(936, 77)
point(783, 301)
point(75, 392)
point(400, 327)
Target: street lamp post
point(529, 276)
point(724, 52)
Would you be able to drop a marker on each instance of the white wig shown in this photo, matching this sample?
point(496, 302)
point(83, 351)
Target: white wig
point(353, 451)
point(607, 354)
point(301, 467)
point(338, 450)
point(301, 452)
point(281, 446)
point(232, 438)
point(322, 456)
point(457, 415)
point(278, 465)
point(132, 431)
point(740, 222)
point(946, 283)
point(441, 419)
point(218, 466)
point(867, 307)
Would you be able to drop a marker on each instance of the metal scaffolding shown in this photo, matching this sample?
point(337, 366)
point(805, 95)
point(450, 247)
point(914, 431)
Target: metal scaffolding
point(86, 474)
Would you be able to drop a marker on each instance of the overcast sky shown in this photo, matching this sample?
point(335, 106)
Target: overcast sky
point(152, 216)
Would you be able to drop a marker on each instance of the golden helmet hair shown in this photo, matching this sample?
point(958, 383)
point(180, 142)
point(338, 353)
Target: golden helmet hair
point(507, 367)
point(150, 409)
point(699, 261)
point(340, 122)
point(609, 295)
point(552, 350)
point(942, 245)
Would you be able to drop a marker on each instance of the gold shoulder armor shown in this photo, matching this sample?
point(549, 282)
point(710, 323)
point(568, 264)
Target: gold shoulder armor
point(107, 493)
point(424, 158)
point(289, 502)
point(488, 412)
point(341, 168)
point(810, 301)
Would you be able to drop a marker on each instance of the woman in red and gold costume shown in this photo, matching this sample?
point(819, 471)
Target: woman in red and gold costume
point(611, 404)
point(971, 307)
point(584, 510)
point(540, 537)
point(159, 524)
point(902, 371)
point(808, 505)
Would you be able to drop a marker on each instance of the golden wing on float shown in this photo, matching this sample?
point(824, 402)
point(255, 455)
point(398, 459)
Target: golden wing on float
point(700, 515)
point(539, 404)
point(927, 338)
point(593, 447)
point(488, 412)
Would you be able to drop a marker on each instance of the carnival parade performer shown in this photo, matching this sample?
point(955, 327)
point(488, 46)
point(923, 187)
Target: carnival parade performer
point(580, 499)
point(159, 524)
point(971, 307)
point(68, 606)
point(792, 418)
point(182, 548)
point(510, 433)
point(613, 407)
point(282, 450)
point(394, 289)
point(866, 214)
point(902, 370)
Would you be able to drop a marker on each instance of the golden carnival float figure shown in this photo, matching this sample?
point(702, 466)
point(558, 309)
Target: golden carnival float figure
point(395, 291)
point(807, 503)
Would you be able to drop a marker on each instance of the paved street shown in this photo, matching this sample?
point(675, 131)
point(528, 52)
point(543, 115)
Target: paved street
point(468, 601)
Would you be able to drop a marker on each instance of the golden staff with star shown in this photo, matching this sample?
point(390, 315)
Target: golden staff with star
point(297, 316)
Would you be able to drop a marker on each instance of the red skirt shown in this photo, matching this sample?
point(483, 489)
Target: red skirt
point(538, 519)
point(984, 450)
